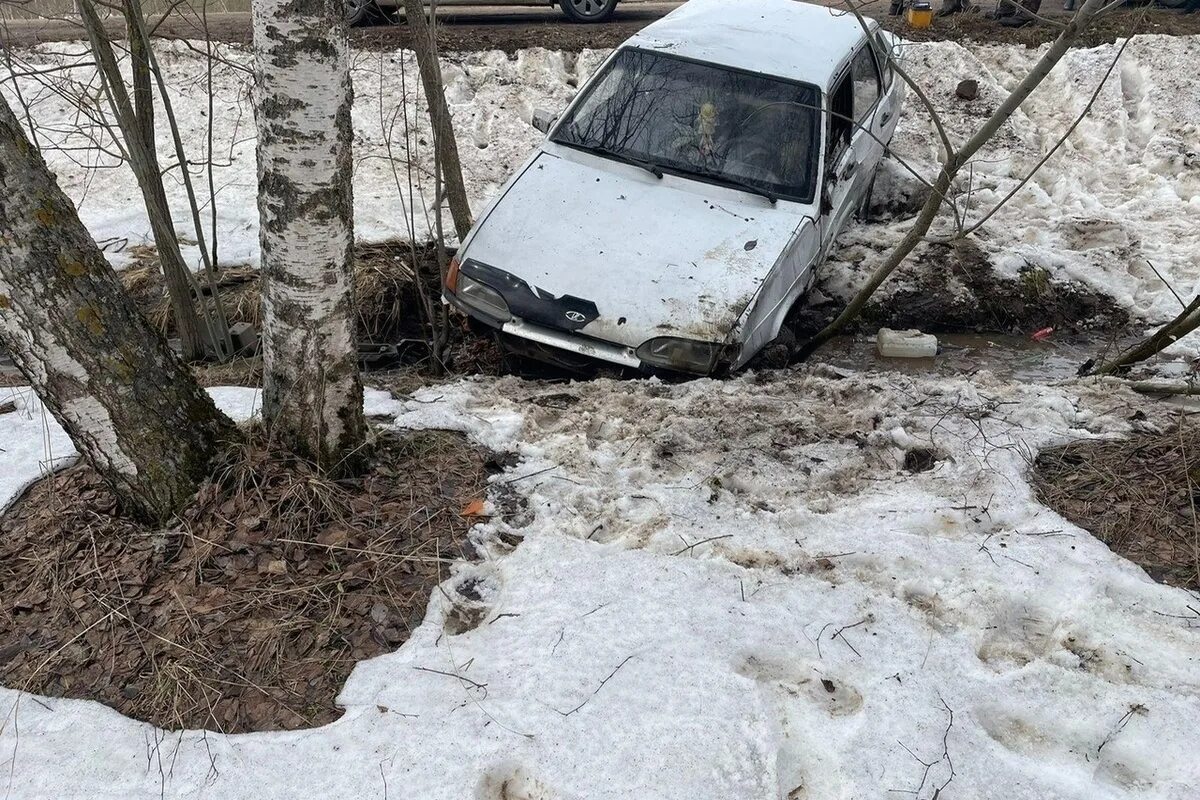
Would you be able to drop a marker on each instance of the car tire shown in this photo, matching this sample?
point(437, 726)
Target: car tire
point(360, 12)
point(777, 353)
point(587, 10)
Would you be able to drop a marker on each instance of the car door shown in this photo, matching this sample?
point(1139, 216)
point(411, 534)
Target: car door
point(888, 114)
point(853, 148)
point(837, 175)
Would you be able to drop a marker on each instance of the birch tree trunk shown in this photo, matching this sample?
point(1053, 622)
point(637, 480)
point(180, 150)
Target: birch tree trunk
point(312, 390)
point(129, 405)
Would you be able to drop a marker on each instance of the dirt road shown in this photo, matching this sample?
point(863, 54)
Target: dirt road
point(479, 28)
point(509, 29)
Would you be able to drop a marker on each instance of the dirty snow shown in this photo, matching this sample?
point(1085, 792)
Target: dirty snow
point(729, 589)
point(1124, 190)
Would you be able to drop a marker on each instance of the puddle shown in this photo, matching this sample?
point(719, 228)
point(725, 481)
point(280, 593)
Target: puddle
point(964, 354)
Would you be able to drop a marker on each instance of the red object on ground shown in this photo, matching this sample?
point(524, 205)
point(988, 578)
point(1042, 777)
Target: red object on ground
point(1042, 335)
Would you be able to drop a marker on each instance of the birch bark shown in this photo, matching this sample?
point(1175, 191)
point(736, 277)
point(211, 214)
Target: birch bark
point(130, 406)
point(312, 399)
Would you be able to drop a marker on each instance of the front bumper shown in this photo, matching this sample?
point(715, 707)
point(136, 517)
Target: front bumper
point(565, 349)
point(589, 348)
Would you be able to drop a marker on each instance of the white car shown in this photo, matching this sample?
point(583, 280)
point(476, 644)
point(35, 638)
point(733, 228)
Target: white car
point(679, 207)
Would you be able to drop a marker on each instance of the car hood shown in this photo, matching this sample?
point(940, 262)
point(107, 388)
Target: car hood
point(656, 257)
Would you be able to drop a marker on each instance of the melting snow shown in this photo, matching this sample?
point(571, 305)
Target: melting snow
point(1122, 194)
point(729, 589)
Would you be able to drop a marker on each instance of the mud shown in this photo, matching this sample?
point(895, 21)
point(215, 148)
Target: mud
point(953, 289)
point(1117, 24)
point(513, 29)
point(1017, 358)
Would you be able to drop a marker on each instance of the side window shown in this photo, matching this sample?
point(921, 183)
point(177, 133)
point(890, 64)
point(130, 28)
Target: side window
point(883, 55)
point(865, 76)
point(841, 119)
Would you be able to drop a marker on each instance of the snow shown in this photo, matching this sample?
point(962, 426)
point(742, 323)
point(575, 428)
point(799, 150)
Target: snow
point(729, 589)
point(725, 589)
point(1122, 194)
point(491, 96)
point(1123, 191)
point(32, 445)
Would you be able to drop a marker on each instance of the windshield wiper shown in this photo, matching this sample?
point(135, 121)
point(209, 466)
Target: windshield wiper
point(736, 183)
point(652, 168)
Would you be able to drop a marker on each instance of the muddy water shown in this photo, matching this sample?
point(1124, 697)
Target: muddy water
point(959, 355)
point(962, 355)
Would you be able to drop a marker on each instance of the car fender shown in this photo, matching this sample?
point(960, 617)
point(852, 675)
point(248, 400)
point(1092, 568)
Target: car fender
point(788, 282)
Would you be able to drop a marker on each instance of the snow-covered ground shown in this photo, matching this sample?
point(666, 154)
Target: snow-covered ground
point(1123, 191)
point(491, 95)
point(725, 590)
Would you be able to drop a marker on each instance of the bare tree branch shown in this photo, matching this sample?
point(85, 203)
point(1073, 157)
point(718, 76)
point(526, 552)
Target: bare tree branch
point(953, 162)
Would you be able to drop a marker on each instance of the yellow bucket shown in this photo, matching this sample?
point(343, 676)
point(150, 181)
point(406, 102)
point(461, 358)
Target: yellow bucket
point(920, 15)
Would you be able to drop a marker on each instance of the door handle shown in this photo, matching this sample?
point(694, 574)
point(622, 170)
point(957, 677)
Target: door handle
point(848, 167)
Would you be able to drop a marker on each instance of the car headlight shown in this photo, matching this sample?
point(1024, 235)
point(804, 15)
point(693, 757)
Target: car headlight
point(482, 298)
point(686, 355)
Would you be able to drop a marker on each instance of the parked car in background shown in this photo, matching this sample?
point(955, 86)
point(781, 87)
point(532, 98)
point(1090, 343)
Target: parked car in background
point(359, 11)
point(679, 207)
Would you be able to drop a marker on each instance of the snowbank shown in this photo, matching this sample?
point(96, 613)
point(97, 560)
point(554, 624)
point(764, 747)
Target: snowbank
point(729, 590)
point(491, 96)
point(1124, 190)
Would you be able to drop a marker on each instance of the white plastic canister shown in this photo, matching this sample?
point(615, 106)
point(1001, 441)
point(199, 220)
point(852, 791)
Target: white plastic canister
point(906, 344)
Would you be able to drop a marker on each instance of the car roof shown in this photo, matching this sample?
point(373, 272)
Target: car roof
point(785, 38)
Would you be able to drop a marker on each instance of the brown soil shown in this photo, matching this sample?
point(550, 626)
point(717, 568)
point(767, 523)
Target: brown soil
point(1138, 496)
point(512, 29)
point(249, 612)
point(1117, 24)
point(953, 289)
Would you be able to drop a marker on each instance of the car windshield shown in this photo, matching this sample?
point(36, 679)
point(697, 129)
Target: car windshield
point(739, 128)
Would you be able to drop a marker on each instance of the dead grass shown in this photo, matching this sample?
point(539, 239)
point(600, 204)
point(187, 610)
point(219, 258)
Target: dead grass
point(237, 372)
point(1138, 496)
point(249, 612)
point(389, 310)
point(383, 274)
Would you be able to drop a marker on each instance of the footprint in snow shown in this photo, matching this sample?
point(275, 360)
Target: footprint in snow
point(471, 595)
point(804, 679)
point(511, 781)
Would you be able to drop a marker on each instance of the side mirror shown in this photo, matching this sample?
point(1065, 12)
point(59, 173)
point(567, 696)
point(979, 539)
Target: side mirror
point(543, 119)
